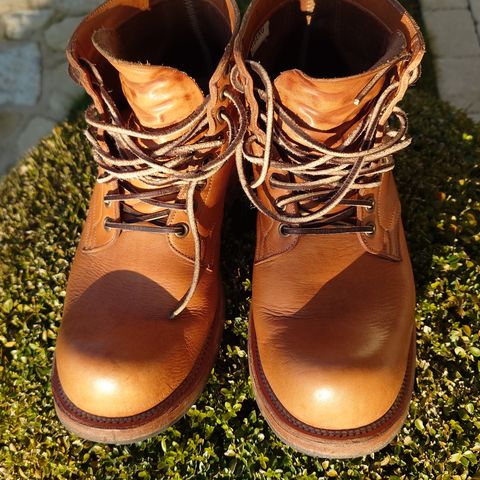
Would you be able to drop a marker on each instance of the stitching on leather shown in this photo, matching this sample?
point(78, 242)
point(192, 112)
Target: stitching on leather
point(390, 228)
point(94, 250)
point(90, 225)
point(384, 421)
point(208, 260)
point(398, 250)
point(99, 214)
point(172, 218)
point(394, 215)
point(263, 246)
point(95, 421)
point(178, 252)
point(174, 215)
point(260, 249)
point(381, 252)
point(271, 257)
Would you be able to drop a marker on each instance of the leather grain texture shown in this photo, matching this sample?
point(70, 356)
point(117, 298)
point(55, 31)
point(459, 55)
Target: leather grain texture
point(333, 315)
point(119, 353)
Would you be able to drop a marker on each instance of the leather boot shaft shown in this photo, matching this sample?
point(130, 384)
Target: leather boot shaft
point(143, 313)
point(331, 335)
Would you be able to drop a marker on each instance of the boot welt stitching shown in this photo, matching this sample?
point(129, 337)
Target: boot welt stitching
point(88, 419)
point(384, 421)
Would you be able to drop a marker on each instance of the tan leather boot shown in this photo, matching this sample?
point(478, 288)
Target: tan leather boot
point(144, 309)
point(332, 339)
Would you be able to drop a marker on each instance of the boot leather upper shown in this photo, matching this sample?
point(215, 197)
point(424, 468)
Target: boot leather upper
point(118, 351)
point(333, 315)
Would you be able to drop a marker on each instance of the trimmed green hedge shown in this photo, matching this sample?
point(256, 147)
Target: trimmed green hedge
point(42, 206)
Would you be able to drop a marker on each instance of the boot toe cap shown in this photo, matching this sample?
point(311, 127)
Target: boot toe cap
point(331, 399)
point(119, 383)
point(332, 388)
point(123, 365)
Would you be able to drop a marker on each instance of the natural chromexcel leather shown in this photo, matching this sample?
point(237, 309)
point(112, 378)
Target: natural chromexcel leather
point(332, 316)
point(158, 95)
point(119, 353)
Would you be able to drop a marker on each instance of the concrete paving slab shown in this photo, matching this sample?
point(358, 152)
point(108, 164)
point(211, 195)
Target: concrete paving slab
point(452, 33)
point(475, 7)
point(458, 82)
point(475, 117)
point(444, 4)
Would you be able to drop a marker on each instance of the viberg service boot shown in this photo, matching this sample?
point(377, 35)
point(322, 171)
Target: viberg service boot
point(331, 335)
point(144, 309)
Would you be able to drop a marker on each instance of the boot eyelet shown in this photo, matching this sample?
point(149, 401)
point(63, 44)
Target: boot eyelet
point(107, 203)
point(373, 229)
point(105, 226)
point(281, 229)
point(223, 97)
point(371, 206)
point(220, 115)
point(185, 230)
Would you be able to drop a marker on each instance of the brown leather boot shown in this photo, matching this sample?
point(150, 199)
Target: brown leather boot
point(332, 339)
point(144, 308)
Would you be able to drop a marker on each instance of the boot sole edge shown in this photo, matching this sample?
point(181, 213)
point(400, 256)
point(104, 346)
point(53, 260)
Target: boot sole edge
point(152, 422)
point(324, 443)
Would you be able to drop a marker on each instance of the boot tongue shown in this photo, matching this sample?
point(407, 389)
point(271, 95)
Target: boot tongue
point(327, 107)
point(159, 96)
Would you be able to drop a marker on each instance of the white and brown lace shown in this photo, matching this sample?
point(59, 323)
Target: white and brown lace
point(166, 167)
point(319, 178)
point(316, 174)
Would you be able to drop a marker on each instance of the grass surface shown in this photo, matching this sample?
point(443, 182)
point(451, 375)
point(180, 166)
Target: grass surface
point(42, 207)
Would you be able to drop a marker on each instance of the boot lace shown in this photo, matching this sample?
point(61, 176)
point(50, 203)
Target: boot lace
point(318, 178)
point(169, 167)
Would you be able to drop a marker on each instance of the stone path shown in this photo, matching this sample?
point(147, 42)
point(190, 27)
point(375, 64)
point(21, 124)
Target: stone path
point(35, 90)
point(453, 27)
point(36, 93)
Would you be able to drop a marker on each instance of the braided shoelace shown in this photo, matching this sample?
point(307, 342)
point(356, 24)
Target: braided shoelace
point(319, 178)
point(168, 166)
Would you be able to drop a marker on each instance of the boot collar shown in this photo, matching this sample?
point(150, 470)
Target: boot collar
point(255, 27)
point(112, 14)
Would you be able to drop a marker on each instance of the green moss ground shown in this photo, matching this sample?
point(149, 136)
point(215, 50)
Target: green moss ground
point(42, 206)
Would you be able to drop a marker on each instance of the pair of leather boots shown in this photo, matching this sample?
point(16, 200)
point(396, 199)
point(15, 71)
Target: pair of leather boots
point(298, 103)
